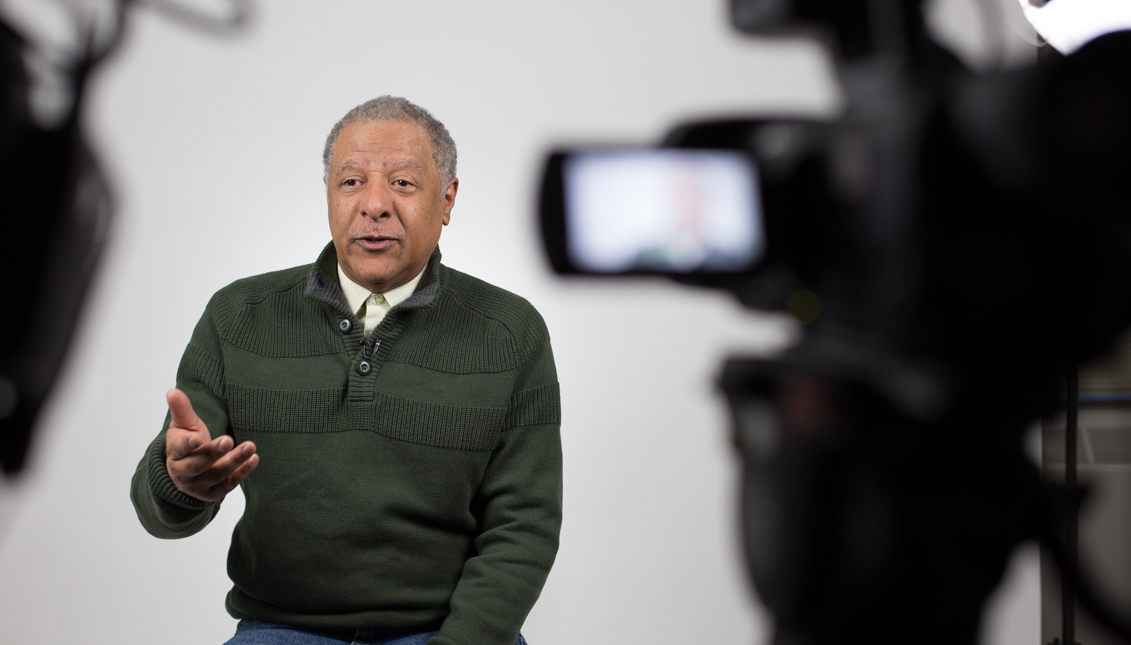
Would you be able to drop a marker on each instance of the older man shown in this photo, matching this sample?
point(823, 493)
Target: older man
point(394, 423)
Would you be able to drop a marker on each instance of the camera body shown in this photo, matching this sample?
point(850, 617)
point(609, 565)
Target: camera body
point(953, 244)
point(970, 228)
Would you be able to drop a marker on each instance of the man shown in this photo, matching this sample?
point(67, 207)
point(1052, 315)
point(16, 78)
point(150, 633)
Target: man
point(393, 423)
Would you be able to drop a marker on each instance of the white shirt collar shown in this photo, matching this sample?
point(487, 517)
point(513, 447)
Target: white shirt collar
point(356, 295)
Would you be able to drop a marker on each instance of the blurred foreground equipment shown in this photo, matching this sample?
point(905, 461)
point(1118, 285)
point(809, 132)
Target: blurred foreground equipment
point(1101, 439)
point(53, 223)
point(55, 209)
point(955, 244)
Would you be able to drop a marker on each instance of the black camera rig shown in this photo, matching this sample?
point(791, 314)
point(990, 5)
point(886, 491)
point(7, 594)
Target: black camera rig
point(955, 243)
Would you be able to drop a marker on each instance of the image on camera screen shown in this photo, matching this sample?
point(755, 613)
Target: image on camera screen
point(662, 211)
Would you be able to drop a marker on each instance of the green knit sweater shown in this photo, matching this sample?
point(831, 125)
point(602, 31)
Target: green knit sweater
point(424, 490)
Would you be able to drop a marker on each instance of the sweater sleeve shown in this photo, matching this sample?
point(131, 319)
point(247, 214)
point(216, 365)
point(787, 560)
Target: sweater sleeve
point(519, 506)
point(163, 509)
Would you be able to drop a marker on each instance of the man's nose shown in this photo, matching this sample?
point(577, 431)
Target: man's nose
point(377, 200)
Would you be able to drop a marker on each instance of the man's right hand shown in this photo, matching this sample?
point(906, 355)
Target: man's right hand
point(200, 466)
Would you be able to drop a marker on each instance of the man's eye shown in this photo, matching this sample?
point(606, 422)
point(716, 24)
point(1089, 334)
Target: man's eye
point(402, 183)
point(350, 182)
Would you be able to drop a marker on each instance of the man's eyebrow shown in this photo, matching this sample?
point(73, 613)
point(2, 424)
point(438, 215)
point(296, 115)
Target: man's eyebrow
point(405, 163)
point(348, 164)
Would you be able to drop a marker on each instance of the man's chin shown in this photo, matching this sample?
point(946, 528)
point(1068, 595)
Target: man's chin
point(367, 270)
point(375, 278)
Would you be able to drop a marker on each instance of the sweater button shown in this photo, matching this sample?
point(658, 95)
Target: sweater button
point(345, 325)
point(363, 367)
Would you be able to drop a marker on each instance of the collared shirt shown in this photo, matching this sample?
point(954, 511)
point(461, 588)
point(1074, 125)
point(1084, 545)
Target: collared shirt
point(372, 307)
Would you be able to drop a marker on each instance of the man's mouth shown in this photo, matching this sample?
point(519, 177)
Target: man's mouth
point(375, 242)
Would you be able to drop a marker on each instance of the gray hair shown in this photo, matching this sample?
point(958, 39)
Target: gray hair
point(395, 108)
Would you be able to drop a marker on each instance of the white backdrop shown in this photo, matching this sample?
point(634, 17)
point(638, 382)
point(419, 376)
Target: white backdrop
point(213, 147)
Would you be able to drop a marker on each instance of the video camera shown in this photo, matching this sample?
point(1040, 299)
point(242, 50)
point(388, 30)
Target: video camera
point(953, 244)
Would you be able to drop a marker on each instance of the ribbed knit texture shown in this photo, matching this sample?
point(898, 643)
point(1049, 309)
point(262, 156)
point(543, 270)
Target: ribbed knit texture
point(423, 492)
point(201, 367)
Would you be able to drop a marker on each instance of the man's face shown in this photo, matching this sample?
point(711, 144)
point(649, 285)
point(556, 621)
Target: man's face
point(386, 202)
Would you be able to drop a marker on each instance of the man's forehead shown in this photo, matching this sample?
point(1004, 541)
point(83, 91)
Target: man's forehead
point(402, 135)
point(367, 161)
point(383, 143)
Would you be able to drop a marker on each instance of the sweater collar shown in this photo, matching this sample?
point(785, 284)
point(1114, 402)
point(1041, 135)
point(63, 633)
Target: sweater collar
point(322, 282)
point(356, 295)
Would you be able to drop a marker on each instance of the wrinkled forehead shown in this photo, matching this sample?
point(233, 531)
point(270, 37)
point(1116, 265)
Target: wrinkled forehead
point(387, 163)
point(383, 143)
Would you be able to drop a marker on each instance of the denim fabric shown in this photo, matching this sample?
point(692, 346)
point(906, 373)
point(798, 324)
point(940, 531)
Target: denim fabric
point(257, 632)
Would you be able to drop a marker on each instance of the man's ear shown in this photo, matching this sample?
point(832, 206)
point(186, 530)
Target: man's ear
point(450, 199)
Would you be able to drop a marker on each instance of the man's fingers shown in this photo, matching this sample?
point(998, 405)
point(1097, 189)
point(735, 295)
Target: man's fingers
point(207, 477)
point(200, 459)
point(229, 483)
point(180, 443)
point(187, 432)
point(208, 465)
point(229, 463)
point(180, 408)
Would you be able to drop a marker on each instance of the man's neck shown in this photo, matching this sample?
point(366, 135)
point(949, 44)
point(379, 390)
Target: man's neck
point(356, 294)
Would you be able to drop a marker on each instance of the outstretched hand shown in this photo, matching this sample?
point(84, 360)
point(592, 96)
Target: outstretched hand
point(200, 466)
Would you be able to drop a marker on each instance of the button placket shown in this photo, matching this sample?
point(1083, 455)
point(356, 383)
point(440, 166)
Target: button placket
point(369, 347)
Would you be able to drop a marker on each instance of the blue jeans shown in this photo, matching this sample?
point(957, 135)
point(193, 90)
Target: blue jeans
point(257, 632)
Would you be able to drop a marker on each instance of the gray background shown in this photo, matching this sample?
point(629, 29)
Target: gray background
point(213, 147)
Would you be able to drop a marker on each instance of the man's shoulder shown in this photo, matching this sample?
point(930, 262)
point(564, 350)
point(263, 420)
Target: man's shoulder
point(490, 301)
point(257, 288)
